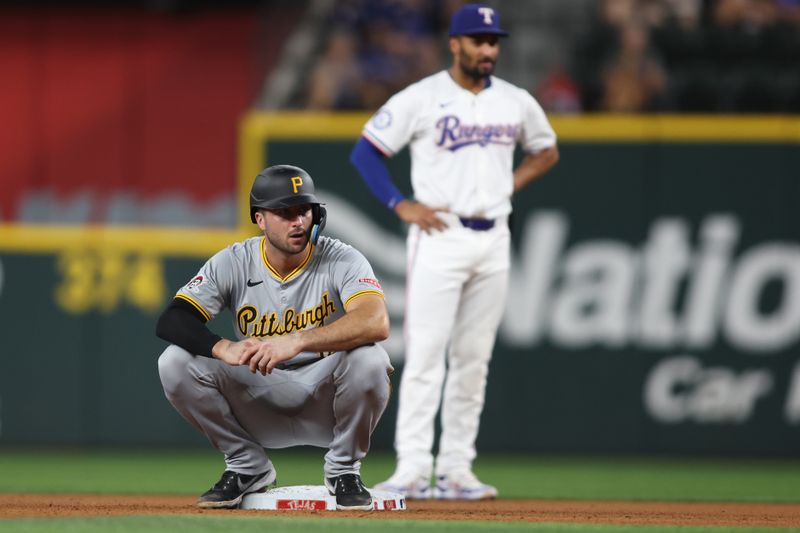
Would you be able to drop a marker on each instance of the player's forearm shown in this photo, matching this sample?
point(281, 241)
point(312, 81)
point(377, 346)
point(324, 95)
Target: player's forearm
point(220, 348)
point(364, 325)
point(533, 166)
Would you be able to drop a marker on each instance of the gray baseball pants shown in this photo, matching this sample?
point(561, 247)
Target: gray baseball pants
point(334, 403)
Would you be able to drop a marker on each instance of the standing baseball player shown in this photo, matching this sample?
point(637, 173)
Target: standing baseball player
point(305, 368)
point(462, 125)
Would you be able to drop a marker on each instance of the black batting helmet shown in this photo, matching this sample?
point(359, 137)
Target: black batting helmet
point(281, 186)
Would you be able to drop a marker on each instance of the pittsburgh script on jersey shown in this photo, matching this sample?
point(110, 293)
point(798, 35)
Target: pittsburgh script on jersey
point(252, 323)
point(454, 135)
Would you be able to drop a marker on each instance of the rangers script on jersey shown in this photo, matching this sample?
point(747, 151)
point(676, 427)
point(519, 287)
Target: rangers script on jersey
point(458, 139)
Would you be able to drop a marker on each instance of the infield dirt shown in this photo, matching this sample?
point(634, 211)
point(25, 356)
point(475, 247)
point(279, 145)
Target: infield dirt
point(591, 512)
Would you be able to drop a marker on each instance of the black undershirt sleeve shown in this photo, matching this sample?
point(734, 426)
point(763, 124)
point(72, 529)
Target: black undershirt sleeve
point(183, 325)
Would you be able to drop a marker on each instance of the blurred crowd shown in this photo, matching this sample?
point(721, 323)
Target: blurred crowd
point(376, 48)
point(691, 56)
point(637, 56)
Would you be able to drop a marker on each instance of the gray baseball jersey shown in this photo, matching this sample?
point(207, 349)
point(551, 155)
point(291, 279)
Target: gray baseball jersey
point(264, 304)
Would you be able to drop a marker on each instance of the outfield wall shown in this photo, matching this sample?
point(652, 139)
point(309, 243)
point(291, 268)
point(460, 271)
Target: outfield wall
point(654, 305)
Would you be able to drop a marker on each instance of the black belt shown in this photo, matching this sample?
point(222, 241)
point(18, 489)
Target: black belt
point(477, 224)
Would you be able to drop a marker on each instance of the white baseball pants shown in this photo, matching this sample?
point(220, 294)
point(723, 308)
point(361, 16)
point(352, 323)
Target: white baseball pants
point(456, 288)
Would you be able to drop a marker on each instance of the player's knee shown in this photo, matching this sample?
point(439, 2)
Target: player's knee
point(172, 367)
point(426, 345)
point(476, 346)
point(368, 369)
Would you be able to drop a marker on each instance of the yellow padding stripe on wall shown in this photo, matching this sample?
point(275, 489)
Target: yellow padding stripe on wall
point(257, 128)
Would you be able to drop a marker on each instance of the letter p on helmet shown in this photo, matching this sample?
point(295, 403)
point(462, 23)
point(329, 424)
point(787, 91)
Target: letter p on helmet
point(297, 182)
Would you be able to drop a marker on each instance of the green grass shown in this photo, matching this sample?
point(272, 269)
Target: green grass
point(545, 477)
point(516, 476)
point(671, 479)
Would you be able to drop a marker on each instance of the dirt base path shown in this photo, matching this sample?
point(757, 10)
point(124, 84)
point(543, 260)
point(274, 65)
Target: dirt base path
point(592, 512)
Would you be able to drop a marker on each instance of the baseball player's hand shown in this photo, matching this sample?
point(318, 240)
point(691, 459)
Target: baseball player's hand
point(232, 352)
point(269, 352)
point(420, 214)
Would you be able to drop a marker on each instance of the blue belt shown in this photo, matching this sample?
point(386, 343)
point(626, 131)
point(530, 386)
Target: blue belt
point(477, 224)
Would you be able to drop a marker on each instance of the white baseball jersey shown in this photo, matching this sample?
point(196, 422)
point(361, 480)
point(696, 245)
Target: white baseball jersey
point(265, 304)
point(462, 143)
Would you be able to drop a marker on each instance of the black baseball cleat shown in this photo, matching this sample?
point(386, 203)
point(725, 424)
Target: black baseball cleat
point(350, 492)
point(228, 492)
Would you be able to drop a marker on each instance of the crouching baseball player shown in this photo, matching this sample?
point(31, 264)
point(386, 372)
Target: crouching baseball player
point(304, 369)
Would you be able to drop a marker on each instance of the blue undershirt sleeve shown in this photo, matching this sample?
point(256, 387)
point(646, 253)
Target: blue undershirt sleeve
point(369, 161)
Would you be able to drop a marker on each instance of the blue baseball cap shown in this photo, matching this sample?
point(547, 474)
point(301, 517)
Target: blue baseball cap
point(473, 19)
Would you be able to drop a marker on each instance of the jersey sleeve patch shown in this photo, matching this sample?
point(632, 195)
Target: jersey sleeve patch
point(194, 284)
point(371, 281)
point(382, 119)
